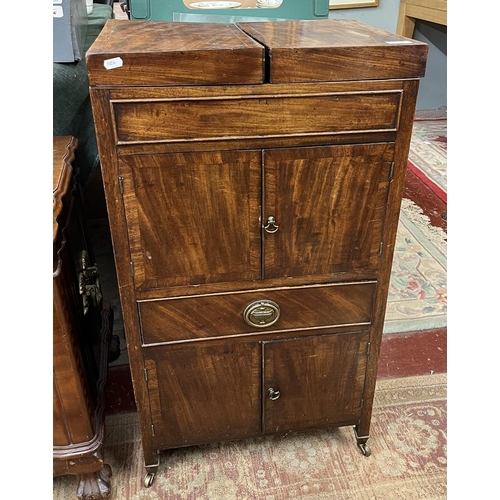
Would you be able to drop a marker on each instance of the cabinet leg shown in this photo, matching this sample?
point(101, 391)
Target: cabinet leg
point(148, 479)
point(361, 442)
point(151, 470)
point(95, 486)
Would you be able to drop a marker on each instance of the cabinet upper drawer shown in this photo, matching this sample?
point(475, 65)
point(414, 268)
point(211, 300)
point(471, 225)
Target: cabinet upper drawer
point(219, 315)
point(244, 117)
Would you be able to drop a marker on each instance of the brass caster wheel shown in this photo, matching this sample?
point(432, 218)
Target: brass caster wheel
point(148, 480)
point(365, 449)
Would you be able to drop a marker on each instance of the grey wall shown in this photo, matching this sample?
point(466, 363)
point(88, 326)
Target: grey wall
point(432, 93)
point(384, 16)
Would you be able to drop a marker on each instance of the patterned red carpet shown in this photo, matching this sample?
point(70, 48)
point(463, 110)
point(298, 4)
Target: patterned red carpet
point(428, 154)
point(417, 298)
point(418, 290)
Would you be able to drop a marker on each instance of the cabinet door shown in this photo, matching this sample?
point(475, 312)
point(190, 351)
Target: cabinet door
point(204, 391)
point(315, 381)
point(329, 206)
point(193, 218)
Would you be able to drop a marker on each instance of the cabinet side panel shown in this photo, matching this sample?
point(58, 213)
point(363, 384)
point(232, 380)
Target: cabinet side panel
point(402, 147)
point(117, 223)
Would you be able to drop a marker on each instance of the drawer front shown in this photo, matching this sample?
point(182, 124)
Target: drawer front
point(220, 315)
point(245, 117)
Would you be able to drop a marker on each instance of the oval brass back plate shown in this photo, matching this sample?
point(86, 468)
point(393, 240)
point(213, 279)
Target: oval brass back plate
point(261, 313)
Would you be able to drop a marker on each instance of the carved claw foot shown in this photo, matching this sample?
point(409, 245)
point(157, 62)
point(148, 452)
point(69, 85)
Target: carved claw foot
point(95, 486)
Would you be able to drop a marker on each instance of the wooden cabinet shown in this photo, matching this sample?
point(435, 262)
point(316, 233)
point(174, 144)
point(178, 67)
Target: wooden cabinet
point(253, 187)
point(82, 325)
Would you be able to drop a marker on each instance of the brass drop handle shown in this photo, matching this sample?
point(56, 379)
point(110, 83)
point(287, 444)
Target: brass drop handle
point(271, 226)
point(273, 395)
point(261, 313)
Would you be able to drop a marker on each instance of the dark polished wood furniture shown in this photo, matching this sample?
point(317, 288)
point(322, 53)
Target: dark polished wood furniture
point(253, 175)
point(82, 325)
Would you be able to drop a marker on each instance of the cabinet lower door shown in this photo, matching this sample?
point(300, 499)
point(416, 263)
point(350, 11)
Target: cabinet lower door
point(313, 381)
point(204, 391)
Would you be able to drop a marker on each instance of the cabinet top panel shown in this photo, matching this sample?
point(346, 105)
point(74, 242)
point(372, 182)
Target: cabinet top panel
point(161, 53)
point(333, 50)
point(146, 53)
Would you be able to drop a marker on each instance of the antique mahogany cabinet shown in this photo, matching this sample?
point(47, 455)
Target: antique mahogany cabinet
point(253, 175)
point(82, 325)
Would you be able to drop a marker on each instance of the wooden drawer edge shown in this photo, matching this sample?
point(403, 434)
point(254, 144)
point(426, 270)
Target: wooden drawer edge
point(302, 309)
point(268, 335)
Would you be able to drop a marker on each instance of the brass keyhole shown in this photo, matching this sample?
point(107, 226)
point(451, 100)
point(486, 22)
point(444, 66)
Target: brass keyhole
point(271, 226)
point(273, 395)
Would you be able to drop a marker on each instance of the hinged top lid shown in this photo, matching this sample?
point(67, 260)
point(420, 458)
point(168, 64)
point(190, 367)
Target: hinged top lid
point(332, 50)
point(161, 53)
